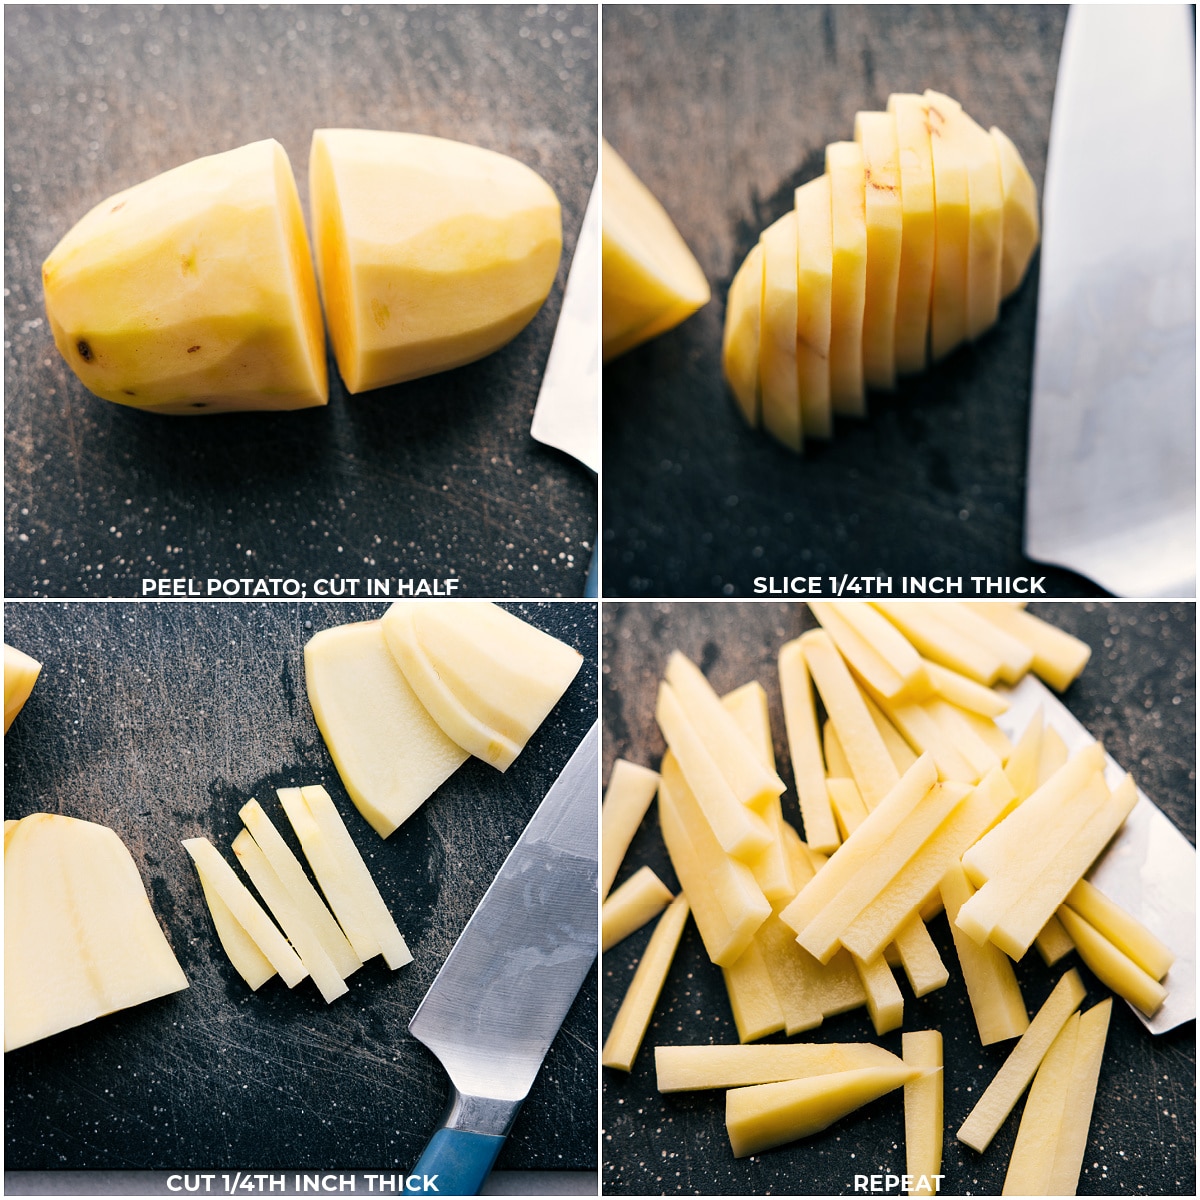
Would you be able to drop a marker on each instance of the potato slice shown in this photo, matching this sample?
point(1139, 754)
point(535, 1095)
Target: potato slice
point(1058, 657)
point(20, 674)
point(997, 1101)
point(740, 340)
point(795, 975)
point(889, 643)
point(1113, 968)
point(835, 756)
point(1053, 756)
point(627, 799)
point(1015, 657)
point(814, 304)
point(777, 372)
point(952, 224)
point(848, 805)
point(697, 1068)
point(924, 627)
point(749, 708)
point(1023, 764)
point(902, 753)
point(1129, 935)
point(431, 253)
point(885, 1003)
point(80, 938)
point(633, 1017)
point(753, 998)
point(638, 900)
point(804, 744)
point(390, 753)
point(860, 655)
point(919, 957)
point(1020, 214)
point(245, 956)
point(1077, 1116)
point(875, 132)
point(921, 731)
point(923, 1101)
point(966, 693)
point(846, 171)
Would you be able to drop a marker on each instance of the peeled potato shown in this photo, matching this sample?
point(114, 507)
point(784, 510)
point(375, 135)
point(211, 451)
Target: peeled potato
point(933, 220)
point(193, 292)
point(20, 674)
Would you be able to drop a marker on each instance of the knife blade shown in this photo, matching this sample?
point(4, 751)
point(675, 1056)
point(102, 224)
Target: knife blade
point(567, 413)
point(1112, 466)
point(503, 991)
point(1149, 868)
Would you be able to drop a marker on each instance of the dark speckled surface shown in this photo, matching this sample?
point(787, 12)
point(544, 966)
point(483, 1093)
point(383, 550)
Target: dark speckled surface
point(1138, 694)
point(437, 477)
point(161, 721)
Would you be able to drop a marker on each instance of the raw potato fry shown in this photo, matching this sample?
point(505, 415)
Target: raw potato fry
point(1058, 657)
point(638, 900)
point(795, 975)
point(247, 959)
point(1054, 754)
point(860, 655)
point(1032, 1160)
point(1013, 1077)
point(1023, 763)
point(937, 641)
point(835, 757)
point(804, 743)
point(1113, 968)
point(628, 797)
point(633, 1017)
point(885, 1004)
point(699, 1068)
point(919, 956)
point(992, 986)
point(923, 1102)
point(766, 1115)
point(956, 729)
point(923, 733)
point(902, 753)
point(889, 643)
point(753, 1000)
point(848, 805)
point(748, 707)
point(1053, 943)
point(1077, 1117)
point(988, 732)
point(964, 692)
point(1128, 935)
point(1015, 657)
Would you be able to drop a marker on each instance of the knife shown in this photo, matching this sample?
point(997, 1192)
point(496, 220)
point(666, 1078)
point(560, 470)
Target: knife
point(1149, 868)
point(1112, 443)
point(567, 415)
point(496, 1004)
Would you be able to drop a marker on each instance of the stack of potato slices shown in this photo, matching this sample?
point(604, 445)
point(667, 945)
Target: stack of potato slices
point(912, 800)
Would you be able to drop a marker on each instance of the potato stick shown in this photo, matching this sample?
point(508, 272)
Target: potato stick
point(936, 641)
point(922, 732)
point(283, 908)
point(1021, 923)
point(1052, 942)
point(821, 935)
point(699, 867)
point(1054, 754)
point(309, 905)
point(795, 976)
point(923, 1119)
point(392, 944)
point(848, 805)
point(1023, 762)
point(988, 974)
point(955, 729)
point(1113, 968)
point(1032, 1160)
point(753, 1000)
point(866, 841)
point(1014, 1076)
point(889, 643)
point(964, 692)
point(1077, 1117)
point(872, 766)
point(245, 956)
point(903, 755)
point(1058, 657)
point(919, 956)
point(804, 743)
point(702, 1068)
point(1015, 657)
point(878, 923)
point(626, 801)
point(884, 1001)
point(638, 900)
point(633, 1017)
point(1021, 828)
point(748, 707)
point(835, 756)
point(739, 830)
point(988, 732)
point(333, 880)
point(1127, 934)
point(247, 911)
point(859, 654)
point(735, 756)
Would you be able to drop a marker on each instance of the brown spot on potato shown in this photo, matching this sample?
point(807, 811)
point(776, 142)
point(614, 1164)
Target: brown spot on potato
point(85, 351)
point(193, 349)
point(128, 392)
point(200, 404)
point(117, 207)
point(380, 312)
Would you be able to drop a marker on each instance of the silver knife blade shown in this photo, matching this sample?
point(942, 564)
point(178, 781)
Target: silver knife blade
point(503, 991)
point(1112, 462)
point(567, 415)
point(1149, 868)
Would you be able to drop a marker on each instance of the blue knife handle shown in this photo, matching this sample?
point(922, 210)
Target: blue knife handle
point(460, 1159)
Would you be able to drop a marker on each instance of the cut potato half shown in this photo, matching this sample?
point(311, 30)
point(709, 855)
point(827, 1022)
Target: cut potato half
point(20, 674)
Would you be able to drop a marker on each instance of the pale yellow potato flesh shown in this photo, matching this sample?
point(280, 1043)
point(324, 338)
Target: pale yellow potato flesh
point(627, 799)
point(966, 693)
point(924, 734)
point(749, 708)
point(875, 132)
point(1058, 657)
point(917, 246)
point(1077, 1117)
point(1111, 966)
point(20, 674)
point(814, 304)
point(957, 731)
point(952, 224)
point(835, 757)
point(699, 1068)
point(923, 1104)
point(1129, 935)
point(777, 373)
point(753, 999)
point(1015, 657)
point(430, 253)
point(804, 745)
point(1053, 942)
point(1053, 757)
point(767, 1115)
point(889, 643)
point(743, 330)
point(1023, 764)
point(244, 955)
point(1020, 214)
point(861, 657)
point(648, 270)
point(848, 805)
point(845, 168)
point(919, 956)
point(334, 832)
point(1032, 1159)
point(80, 938)
point(1002, 1094)
point(389, 752)
point(637, 1008)
point(638, 900)
point(903, 755)
point(986, 729)
point(795, 975)
point(992, 986)
point(193, 292)
point(922, 625)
